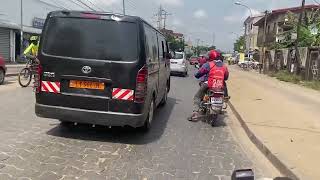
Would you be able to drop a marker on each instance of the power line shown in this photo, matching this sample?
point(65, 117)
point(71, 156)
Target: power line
point(86, 5)
point(52, 4)
point(76, 3)
point(95, 5)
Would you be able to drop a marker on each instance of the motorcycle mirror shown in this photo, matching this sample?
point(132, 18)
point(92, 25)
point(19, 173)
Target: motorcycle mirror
point(243, 174)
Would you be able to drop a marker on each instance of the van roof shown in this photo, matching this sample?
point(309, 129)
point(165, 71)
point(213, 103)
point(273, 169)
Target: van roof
point(128, 18)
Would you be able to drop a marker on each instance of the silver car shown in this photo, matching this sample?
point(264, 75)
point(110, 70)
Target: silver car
point(178, 64)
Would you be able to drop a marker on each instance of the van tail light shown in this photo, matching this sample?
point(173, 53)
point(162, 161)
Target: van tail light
point(90, 16)
point(37, 71)
point(141, 85)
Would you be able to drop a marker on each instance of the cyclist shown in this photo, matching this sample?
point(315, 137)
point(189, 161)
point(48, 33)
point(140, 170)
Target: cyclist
point(32, 49)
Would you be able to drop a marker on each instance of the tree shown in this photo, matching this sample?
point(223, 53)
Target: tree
point(240, 44)
point(309, 35)
point(175, 44)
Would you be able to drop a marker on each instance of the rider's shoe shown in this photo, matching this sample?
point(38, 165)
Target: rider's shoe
point(194, 116)
point(227, 98)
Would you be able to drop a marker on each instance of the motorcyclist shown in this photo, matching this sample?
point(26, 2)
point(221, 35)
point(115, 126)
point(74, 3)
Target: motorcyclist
point(217, 73)
point(202, 60)
point(32, 49)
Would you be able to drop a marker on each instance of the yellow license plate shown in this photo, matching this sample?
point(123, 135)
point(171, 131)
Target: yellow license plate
point(86, 85)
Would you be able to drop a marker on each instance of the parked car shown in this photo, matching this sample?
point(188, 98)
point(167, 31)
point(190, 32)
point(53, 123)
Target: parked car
point(117, 79)
point(3, 70)
point(193, 60)
point(178, 64)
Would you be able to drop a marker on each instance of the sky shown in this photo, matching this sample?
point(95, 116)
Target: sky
point(211, 21)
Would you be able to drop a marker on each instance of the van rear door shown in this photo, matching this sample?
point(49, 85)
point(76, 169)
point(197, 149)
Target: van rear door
point(89, 62)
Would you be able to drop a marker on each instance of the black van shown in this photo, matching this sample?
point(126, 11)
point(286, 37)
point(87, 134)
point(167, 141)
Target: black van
point(102, 69)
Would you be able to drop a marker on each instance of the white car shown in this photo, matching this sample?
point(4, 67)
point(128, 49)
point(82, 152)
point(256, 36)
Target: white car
point(178, 64)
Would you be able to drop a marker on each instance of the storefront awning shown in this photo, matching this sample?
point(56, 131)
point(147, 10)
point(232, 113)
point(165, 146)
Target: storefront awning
point(31, 30)
point(9, 25)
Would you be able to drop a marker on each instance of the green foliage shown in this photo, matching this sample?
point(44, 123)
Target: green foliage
point(240, 44)
point(310, 22)
point(287, 77)
point(200, 49)
point(175, 45)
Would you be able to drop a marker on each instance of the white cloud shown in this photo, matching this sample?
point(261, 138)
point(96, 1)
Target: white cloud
point(171, 2)
point(236, 18)
point(200, 14)
point(177, 22)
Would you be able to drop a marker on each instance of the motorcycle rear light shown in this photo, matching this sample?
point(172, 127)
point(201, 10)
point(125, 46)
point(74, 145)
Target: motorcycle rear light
point(141, 85)
point(217, 94)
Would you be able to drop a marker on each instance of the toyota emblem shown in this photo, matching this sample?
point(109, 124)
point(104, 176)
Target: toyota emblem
point(86, 69)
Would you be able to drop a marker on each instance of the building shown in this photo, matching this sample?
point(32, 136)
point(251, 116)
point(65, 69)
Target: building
point(276, 25)
point(175, 35)
point(251, 32)
point(33, 13)
point(178, 36)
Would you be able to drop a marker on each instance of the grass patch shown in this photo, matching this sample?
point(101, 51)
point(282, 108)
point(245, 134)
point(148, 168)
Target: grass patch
point(292, 78)
point(287, 77)
point(312, 84)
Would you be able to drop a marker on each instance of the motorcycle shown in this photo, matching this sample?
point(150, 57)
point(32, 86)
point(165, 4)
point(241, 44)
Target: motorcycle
point(212, 104)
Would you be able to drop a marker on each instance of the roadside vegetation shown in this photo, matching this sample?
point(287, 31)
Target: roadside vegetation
point(296, 79)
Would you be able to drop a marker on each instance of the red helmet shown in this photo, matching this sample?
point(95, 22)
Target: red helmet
point(213, 55)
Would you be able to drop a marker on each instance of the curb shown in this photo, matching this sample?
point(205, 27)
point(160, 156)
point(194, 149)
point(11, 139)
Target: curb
point(272, 157)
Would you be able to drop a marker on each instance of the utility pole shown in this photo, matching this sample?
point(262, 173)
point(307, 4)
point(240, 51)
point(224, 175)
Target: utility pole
point(213, 38)
point(123, 7)
point(165, 14)
point(162, 16)
point(297, 55)
point(198, 50)
point(262, 59)
point(21, 27)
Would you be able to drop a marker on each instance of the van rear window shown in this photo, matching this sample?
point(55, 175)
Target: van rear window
point(91, 39)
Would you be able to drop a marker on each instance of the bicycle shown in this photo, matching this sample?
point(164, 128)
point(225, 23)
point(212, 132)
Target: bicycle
point(25, 75)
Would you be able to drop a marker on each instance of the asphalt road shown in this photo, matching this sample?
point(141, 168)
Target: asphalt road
point(36, 148)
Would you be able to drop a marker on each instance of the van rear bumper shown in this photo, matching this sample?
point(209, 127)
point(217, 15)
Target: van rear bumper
point(90, 116)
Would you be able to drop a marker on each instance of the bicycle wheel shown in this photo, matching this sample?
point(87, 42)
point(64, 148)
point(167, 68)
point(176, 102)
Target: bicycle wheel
point(25, 77)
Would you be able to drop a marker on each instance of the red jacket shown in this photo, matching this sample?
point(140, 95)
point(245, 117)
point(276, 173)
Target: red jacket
point(217, 75)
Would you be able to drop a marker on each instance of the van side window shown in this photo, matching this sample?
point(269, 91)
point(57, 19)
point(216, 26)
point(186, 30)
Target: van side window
point(151, 44)
point(161, 47)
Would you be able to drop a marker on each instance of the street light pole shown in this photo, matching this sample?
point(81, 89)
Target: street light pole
point(240, 4)
point(297, 60)
point(21, 27)
point(251, 15)
point(262, 61)
point(123, 7)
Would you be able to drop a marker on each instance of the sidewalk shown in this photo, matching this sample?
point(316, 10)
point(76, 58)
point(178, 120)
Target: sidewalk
point(284, 118)
point(14, 69)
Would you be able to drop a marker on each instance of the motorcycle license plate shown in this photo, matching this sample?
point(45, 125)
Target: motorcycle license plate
point(216, 100)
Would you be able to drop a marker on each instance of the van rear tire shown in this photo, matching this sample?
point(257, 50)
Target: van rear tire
point(147, 124)
point(165, 97)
